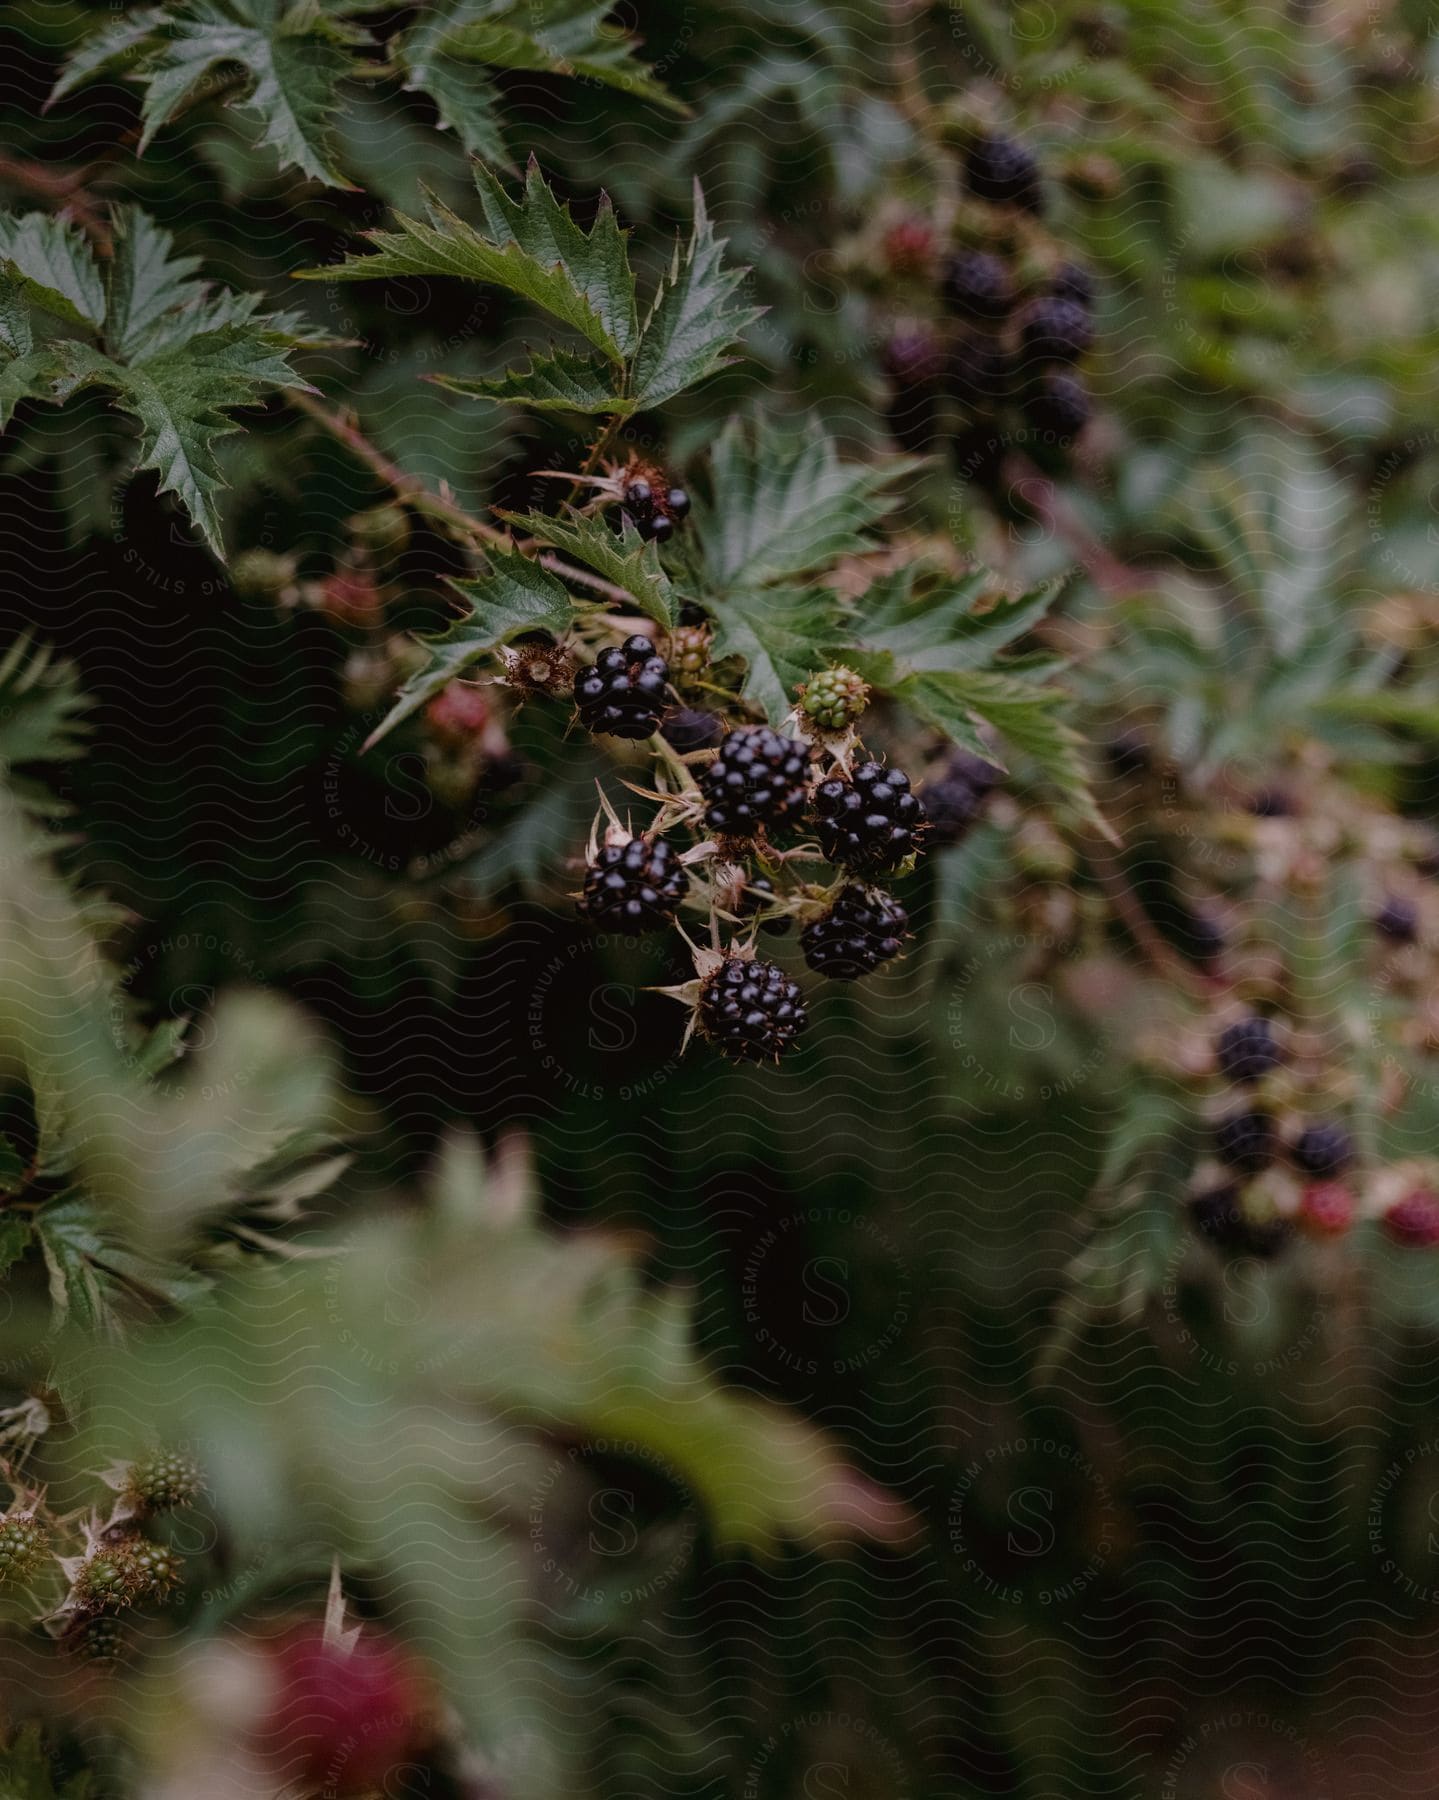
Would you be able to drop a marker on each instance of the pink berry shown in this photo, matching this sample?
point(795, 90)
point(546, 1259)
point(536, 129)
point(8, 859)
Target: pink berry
point(458, 714)
point(1414, 1220)
point(342, 1718)
point(1327, 1208)
point(909, 246)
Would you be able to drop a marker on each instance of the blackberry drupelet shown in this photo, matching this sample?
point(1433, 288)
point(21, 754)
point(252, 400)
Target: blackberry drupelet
point(1246, 1050)
point(1247, 1141)
point(688, 729)
point(978, 285)
point(1002, 171)
point(1324, 1150)
point(751, 1010)
point(634, 886)
point(623, 695)
point(757, 782)
point(953, 799)
point(1059, 403)
point(863, 928)
point(871, 822)
point(1055, 330)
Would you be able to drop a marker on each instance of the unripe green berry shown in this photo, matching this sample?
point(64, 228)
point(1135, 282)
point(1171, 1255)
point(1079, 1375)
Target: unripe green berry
point(154, 1570)
point(99, 1639)
point(24, 1544)
point(162, 1481)
point(835, 698)
point(107, 1579)
point(689, 653)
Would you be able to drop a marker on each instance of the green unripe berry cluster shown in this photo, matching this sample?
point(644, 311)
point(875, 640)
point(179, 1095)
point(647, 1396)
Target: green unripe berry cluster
point(689, 652)
point(835, 698)
point(164, 1480)
point(24, 1544)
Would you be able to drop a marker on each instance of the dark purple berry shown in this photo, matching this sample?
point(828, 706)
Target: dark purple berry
point(1059, 403)
point(1073, 282)
point(913, 356)
point(660, 528)
point(639, 499)
point(1055, 330)
point(1002, 171)
point(757, 782)
point(1398, 920)
point(751, 1010)
point(1128, 752)
point(863, 928)
point(623, 695)
point(1246, 1050)
point(979, 373)
point(634, 887)
point(870, 822)
point(953, 799)
point(677, 501)
point(978, 285)
point(1324, 1150)
point(1246, 1141)
point(688, 729)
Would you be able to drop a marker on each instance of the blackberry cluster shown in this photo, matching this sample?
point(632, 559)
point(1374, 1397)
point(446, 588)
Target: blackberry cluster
point(634, 886)
point(623, 695)
point(872, 821)
point(1005, 356)
point(163, 1481)
point(864, 928)
point(954, 799)
point(1323, 1150)
point(656, 510)
point(756, 784)
point(1246, 1050)
point(751, 1010)
point(1247, 1141)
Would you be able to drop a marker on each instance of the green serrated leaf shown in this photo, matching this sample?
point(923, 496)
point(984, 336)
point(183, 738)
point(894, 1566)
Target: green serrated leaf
point(781, 633)
point(295, 57)
point(560, 381)
point(629, 562)
point(113, 49)
point(30, 377)
point(692, 324)
point(463, 92)
point(534, 249)
point(41, 707)
point(515, 595)
point(941, 629)
point(147, 281)
point(786, 505)
point(53, 265)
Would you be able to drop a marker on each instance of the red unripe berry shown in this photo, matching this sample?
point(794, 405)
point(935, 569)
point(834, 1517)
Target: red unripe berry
point(458, 714)
point(1414, 1220)
point(1327, 1208)
point(342, 1718)
point(909, 246)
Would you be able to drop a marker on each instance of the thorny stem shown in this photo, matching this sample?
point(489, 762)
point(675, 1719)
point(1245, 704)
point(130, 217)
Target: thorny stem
point(448, 513)
point(65, 188)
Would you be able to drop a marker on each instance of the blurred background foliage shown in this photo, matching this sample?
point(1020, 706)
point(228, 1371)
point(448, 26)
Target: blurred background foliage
point(889, 1236)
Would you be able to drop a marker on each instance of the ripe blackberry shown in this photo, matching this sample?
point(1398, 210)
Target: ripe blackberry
point(164, 1480)
point(913, 356)
point(953, 799)
point(978, 285)
point(1327, 1208)
point(1071, 281)
point(1002, 171)
point(634, 886)
point(1246, 1050)
point(1055, 330)
point(834, 699)
point(1219, 1216)
point(871, 822)
point(24, 1545)
point(757, 782)
point(1059, 403)
point(979, 373)
point(751, 1010)
point(1414, 1220)
point(651, 511)
point(863, 928)
point(688, 729)
point(1397, 920)
point(1324, 1150)
point(623, 695)
point(1246, 1140)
